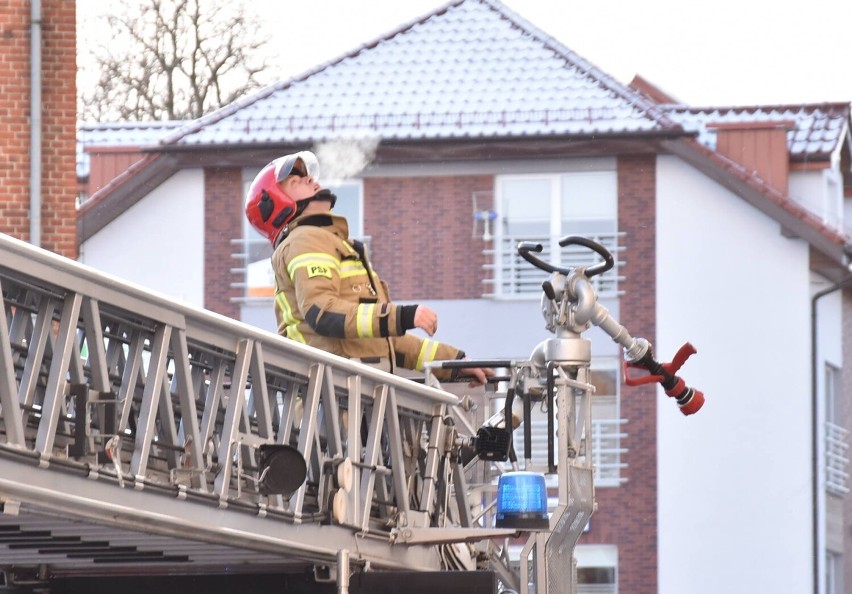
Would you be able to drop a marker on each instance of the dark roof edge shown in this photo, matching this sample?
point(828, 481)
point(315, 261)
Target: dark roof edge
point(839, 105)
point(604, 136)
point(790, 215)
point(162, 161)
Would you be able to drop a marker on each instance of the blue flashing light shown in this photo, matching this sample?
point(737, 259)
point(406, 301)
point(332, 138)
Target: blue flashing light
point(522, 501)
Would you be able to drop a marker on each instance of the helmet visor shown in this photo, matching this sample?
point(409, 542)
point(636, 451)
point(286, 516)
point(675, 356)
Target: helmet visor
point(303, 164)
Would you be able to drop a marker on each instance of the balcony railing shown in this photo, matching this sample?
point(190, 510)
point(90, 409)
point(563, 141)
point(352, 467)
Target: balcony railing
point(836, 460)
point(511, 275)
point(607, 450)
point(252, 255)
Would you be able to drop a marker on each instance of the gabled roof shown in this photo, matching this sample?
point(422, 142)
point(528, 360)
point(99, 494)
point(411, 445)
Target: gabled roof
point(473, 69)
point(470, 69)
point(815, 132)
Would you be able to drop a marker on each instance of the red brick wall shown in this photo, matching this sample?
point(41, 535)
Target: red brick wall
point(59, 70)
point(627, 515)
point(223, 219)
point(422, 235)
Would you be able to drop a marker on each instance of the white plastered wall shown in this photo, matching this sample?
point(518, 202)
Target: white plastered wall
point(829, 334)
point(735, 479)
point(158, 242)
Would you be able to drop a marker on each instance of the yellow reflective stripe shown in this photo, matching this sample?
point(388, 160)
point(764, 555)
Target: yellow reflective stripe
point(349, 268)
point(312, 259)
point(293, 332)
point(291, 323)
point(284, 307)
point(427, 353)
point(364, 325)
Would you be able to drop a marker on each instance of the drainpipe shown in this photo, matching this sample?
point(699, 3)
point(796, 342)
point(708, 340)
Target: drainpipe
point(815, 426)
point(35, 122)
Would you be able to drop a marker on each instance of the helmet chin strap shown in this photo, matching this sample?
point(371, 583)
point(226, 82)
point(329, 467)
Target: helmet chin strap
point(325, 195)
point(301, 205)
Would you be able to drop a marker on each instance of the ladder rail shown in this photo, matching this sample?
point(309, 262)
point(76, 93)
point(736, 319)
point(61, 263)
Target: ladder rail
point(193, 393)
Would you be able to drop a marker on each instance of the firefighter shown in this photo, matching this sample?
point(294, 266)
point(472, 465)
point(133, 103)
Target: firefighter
point(326, 293)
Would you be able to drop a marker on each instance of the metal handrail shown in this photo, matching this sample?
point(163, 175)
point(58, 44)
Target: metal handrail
point(187, 396)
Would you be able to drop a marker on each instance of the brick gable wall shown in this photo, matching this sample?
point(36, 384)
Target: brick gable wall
point(223, 220)
point(627, 515)
point(58, 178)
point(422, 235)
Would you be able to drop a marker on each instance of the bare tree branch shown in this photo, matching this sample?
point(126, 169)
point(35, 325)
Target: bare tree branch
point(172, 59)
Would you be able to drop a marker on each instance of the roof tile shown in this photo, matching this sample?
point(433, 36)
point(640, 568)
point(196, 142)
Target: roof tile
point(818, 129)
point(470, 69)
point(119, 134)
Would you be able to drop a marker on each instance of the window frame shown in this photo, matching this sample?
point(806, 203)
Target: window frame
point(504, 263)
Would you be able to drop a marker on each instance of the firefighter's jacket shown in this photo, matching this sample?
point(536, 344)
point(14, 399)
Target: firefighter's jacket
point(327, 296)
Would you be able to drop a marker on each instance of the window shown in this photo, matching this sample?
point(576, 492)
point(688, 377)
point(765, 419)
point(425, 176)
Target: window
point(543, 208)
point(350, 205)
point(256, 250)
point(607, 434)
point(597, 569)
point(833, 573)
point(836, 445)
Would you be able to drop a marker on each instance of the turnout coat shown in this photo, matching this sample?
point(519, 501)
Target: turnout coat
point(328, 296)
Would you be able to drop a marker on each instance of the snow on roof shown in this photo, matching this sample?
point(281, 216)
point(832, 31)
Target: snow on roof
point(119, 134)
point(471, 69)
point(815, 131)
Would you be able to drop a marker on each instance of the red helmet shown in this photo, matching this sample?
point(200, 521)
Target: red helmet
point(268, 208)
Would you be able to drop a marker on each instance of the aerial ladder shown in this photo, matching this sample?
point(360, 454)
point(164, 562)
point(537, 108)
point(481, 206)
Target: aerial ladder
point(140, 434)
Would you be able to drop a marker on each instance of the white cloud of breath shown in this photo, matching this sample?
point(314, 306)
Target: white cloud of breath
point(345, 158)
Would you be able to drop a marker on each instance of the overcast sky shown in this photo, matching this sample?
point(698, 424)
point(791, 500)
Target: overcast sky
point(728, 52)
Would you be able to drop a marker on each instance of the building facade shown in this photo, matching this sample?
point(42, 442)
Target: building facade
point(37, 138)
point(727, 225)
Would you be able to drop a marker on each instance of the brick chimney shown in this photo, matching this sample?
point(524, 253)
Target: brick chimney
point(760, 147)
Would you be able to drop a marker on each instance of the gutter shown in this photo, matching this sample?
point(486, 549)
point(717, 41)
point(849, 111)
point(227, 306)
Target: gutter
point(35, 123)
point(815, 489)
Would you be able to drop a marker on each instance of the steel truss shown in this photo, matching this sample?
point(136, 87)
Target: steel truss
point(125, 409)
point(102, 379)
